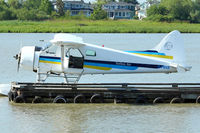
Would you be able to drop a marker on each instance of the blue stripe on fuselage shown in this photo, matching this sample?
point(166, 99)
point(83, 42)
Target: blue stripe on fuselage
point(123, 64)
point(48, 58)
point(143, 52)
point(110, 66)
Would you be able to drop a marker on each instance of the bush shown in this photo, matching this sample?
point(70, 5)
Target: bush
point(160, 18)
point(157, 9)
point(5, 15)
point(54, 14)
point(195, 16)
point(25, 14)
point(170, 10)
point(41, 15)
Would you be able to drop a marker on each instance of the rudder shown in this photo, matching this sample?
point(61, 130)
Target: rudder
point(172, 45)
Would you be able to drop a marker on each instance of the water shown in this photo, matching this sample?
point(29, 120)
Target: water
point(97, 118)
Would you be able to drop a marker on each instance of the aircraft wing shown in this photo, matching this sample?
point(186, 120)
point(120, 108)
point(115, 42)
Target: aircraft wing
point(67, 40)
point(68, 43)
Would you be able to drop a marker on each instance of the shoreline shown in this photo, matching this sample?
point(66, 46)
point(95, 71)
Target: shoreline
point(98, 26)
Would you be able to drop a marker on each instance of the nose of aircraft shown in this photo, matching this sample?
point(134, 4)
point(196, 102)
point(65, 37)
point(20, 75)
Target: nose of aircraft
point(25, 57)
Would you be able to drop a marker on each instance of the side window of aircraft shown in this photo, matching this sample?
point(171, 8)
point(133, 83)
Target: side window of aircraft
point(76, 58)
point(74, 53)
point(51, 50)
point(90, 53)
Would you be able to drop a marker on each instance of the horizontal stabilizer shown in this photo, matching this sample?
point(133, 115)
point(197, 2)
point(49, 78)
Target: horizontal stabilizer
point(181, 68)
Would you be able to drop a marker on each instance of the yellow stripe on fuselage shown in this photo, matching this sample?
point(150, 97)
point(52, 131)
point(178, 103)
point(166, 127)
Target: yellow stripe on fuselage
point(157, 56)
point(51, 62)
point(98, 67)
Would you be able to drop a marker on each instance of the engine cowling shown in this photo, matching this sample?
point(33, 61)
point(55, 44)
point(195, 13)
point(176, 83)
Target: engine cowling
point(27, 56)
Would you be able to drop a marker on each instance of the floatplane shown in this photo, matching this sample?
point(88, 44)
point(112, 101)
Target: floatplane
point(67, 56)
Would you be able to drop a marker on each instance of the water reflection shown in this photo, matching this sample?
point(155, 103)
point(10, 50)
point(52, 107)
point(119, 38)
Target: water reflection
point(98, 118)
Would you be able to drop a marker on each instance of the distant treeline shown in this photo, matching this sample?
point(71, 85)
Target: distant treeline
point(41, 10)
point(175, 10)
point(25, 10)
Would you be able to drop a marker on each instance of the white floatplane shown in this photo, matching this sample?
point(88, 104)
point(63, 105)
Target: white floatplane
point(69, 57)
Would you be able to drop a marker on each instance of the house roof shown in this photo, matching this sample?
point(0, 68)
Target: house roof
point(72, 1)
point(119, 3)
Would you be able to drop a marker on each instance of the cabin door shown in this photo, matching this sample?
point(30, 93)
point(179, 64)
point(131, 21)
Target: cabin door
point(76, 58)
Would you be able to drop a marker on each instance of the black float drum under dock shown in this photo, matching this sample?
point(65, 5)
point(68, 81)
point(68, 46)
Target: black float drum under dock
point(132, 93)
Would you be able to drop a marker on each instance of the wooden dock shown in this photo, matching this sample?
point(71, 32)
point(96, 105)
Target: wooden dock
point(133, 93)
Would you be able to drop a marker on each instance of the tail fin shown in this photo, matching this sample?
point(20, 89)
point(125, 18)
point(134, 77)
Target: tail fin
point(172, 45)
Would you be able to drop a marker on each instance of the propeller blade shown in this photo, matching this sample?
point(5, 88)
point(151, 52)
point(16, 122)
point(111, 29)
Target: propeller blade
point(16, 56)
point(19, 59)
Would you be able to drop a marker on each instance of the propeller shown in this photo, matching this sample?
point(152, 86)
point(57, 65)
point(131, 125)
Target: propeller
point(18, 58)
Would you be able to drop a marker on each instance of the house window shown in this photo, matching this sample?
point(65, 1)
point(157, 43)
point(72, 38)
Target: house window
point(127, 14)
point(90, 53)
point(123, 13)
point(119, 13)
point(116, 13)
point(132, 8)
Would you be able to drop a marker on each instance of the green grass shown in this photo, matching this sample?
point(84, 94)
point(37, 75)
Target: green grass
point(100, 26)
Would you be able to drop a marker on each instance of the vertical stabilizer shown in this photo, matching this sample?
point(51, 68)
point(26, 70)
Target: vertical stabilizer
point(172, 45)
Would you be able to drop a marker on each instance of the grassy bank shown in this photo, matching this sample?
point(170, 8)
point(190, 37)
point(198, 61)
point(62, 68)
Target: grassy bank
point(101, 26)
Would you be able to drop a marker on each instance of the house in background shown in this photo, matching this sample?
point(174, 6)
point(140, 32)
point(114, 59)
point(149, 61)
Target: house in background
point(142, 12)
point(119, 10)
point(75, 7)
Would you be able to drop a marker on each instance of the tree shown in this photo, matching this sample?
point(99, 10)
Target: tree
point(31, 4)
point(179, 9)
point(46, 6)
point(3, 4)
point(5, 13)
point(68, 14)
point(195, 13)
point(60, 7)
point(101, 2)
point(153, 2)
point(157, 9)
point(25, 14)
point(173, 10)
point(158, 13)
point(98, 13)
point(14, 4)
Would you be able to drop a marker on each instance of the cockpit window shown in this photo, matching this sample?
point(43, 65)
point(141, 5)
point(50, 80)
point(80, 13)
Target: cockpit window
point(90, 53)
point(51, 50)
point(73, 52)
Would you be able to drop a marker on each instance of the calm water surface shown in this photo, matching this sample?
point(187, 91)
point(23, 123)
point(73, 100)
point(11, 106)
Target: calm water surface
point(98, 118)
